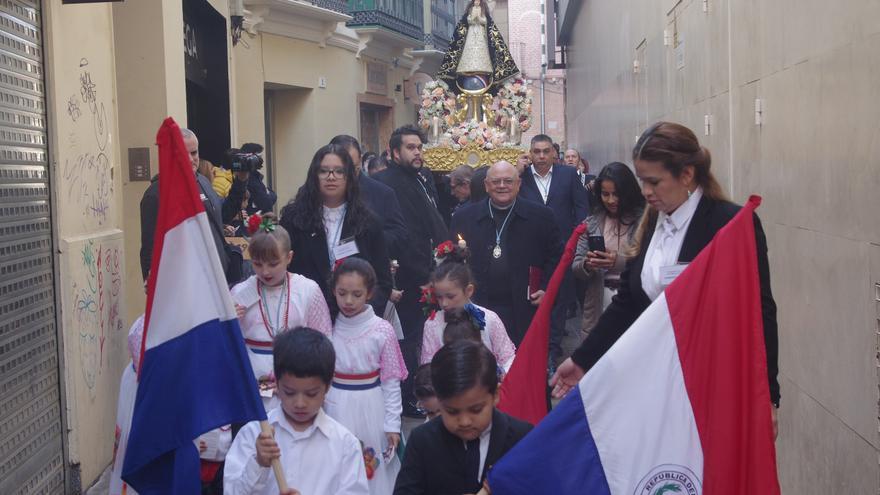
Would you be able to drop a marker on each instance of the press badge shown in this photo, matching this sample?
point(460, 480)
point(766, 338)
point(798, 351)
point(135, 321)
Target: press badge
point(669, 273)
point(347, 247)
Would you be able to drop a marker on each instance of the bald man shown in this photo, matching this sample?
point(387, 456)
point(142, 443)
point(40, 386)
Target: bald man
point(509, 237)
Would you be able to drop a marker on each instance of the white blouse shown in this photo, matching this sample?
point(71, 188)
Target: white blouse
point(666, 243)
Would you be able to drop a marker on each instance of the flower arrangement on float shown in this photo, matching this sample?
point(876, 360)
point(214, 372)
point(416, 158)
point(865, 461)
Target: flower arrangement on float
point(474, 133)
point(439, 102)
point(514, 103)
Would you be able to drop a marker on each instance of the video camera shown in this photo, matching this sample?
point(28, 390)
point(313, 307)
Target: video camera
point(246, 159)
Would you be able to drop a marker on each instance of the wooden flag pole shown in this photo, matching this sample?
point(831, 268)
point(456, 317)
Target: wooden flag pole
point(276, 462)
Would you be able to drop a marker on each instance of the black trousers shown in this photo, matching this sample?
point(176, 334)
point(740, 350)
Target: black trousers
point(412, 319)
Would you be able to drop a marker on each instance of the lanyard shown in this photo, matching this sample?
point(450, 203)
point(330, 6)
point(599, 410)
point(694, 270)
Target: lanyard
point(503, 224)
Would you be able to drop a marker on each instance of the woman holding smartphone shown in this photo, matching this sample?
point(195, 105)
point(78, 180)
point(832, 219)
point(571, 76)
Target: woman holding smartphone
point(603, 250)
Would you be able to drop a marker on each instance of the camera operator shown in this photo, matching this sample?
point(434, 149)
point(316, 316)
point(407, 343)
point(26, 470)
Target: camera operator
point(247, 183)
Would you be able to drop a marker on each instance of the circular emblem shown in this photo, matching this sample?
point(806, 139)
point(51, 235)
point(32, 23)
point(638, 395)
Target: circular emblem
point(670, 479)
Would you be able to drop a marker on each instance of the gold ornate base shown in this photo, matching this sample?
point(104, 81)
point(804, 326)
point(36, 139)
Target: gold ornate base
point(443, 159)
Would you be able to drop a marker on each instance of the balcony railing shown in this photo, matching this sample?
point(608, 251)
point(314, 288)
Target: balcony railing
point(405, 17)
point(340, 6)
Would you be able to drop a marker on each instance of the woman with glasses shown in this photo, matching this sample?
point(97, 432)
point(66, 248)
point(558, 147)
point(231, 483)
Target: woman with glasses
point(328, 222)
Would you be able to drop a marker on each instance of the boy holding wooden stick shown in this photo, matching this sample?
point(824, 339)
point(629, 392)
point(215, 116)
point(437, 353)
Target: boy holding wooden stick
point(317, 455)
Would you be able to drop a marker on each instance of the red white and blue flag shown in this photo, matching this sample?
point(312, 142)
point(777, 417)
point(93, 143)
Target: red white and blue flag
point(194, 373)
point(679, 405)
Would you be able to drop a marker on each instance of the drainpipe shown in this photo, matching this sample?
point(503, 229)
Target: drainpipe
point(543, 110)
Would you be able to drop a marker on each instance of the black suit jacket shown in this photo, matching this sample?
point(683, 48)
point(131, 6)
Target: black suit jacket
point(631, 300)
point(382, 201)
point(312, 260)
point(531, 239)
point(567, 197)
point(425, 227)
point(434, 462)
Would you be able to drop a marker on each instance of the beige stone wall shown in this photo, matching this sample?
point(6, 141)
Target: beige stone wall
point(304, 115)
point(814, 160)
point(88, 210)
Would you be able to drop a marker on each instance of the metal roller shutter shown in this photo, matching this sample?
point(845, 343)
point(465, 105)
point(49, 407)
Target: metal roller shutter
point(31, 459)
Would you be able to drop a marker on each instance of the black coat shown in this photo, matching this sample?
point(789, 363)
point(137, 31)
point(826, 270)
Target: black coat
point(631, 300)
point(531, 239)
point(434, 462)
point(567, 197)
point(312, 260)
point(382, 201)
point(425, 227)
point(150, 213)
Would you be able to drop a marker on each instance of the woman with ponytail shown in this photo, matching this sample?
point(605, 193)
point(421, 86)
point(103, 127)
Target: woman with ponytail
point(686, 207)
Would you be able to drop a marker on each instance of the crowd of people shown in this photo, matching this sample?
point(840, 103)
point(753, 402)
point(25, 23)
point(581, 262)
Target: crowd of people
point(380, 293)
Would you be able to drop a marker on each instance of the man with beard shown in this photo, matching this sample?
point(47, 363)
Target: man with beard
point(425, 229)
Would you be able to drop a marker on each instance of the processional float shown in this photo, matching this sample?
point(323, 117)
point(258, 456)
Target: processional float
point(477, 108)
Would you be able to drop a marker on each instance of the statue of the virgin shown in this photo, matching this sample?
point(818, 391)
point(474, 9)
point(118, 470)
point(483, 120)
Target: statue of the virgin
point(478, 58)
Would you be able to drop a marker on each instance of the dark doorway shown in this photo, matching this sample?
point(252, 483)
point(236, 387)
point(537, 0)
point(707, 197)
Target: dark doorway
point(207, 78)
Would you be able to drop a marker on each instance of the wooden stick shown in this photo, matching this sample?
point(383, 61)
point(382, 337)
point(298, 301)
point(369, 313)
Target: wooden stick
point(276, 462)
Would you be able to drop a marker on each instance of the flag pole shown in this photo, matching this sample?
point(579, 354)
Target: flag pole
point(276, 462)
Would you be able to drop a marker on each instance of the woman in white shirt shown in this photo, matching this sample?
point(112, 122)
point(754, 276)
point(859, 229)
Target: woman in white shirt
point(686, 207)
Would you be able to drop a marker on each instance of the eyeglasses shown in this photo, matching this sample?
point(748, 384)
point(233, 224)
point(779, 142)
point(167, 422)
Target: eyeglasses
point(325, 173)
point(502, 182)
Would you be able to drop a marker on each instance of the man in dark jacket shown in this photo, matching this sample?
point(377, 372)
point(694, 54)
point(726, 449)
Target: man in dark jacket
point(213, 206)
point(558, 187)
point(425, 229)
point(248, 183)
point(512, 240)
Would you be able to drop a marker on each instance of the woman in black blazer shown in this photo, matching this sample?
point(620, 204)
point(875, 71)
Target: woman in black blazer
point(328, 221)
point(690, 207)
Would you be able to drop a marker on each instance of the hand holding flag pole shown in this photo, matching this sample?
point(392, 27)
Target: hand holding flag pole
point(276, 462)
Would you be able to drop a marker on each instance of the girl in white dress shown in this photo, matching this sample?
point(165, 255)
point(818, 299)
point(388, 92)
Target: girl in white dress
point(365, 394)
point(273, 301)
point(453, 285)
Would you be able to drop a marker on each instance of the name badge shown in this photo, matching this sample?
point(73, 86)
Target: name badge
point(668, 274)
point(346, 248)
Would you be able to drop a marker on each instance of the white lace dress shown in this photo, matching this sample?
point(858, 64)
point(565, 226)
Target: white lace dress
point(365, 396)
point(305, 307)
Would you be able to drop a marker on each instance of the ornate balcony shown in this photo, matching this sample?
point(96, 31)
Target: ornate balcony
point(443, 19)
point(402, 17)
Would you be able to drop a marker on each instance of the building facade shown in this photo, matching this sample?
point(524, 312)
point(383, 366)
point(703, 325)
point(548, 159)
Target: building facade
point(787, 114)
point(84, 86)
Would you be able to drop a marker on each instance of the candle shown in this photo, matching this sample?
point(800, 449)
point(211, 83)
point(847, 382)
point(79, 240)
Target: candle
point(436, 122)
point(461, 243)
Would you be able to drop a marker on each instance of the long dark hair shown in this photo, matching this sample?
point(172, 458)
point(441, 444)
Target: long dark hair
point(305, 211)
point(631, 202)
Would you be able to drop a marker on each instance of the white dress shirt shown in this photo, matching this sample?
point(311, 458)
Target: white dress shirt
point(543, 182)
point(666, 243)
point(325, 459)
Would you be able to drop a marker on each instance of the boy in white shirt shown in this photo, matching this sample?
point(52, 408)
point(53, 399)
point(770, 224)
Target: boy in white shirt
point(319, 456)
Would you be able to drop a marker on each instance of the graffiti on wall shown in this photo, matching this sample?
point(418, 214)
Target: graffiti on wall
point(96, 288)
point(88, 169)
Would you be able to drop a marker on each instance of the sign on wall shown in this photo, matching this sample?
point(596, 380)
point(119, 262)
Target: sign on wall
point(377, 78)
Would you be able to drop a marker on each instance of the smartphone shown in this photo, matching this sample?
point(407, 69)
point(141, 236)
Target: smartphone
point(596, 243)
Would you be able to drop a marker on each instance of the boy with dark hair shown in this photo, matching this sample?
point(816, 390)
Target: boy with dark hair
point(318, 455)
point(453, 453)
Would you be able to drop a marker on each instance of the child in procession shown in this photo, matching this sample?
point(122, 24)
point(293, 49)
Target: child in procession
point(365, 394)
point(453, 453)
point(273, 301)
point(318, 455)
point(453, 286)
point(423, 389)
point(125, 408)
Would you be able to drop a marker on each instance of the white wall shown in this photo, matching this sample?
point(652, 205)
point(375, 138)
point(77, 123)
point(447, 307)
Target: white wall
point(816, 66)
